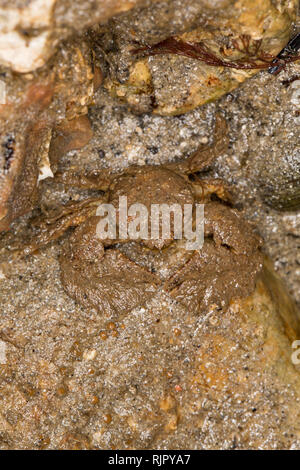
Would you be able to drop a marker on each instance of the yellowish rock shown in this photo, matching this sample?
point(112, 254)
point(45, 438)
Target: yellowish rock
point(178, 84)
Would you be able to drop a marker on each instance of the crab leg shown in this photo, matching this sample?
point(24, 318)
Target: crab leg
point(54, 227)
point(97, 179)
point(205, 155)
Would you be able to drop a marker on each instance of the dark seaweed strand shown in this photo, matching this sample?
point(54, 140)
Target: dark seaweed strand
point(199, 51)
point(289, 50)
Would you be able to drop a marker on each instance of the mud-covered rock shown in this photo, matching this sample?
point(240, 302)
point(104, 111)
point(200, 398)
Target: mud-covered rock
point(25, 127)
point(34, 104)
point(69, 135)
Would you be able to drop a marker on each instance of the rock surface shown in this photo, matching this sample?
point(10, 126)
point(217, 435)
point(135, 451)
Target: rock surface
point(162, 377)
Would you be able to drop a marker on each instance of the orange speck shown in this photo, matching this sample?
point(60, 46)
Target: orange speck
point(103, 335)
point(107, 418)
point(213, 81)
point(94, 400)
point(62, 391)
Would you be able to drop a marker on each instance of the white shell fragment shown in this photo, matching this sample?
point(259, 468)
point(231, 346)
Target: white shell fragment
point(24, 35)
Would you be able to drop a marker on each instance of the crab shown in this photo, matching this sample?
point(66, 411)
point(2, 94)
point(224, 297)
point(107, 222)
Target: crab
point(115, 276)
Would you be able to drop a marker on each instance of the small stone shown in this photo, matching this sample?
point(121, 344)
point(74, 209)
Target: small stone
point(89, 355)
